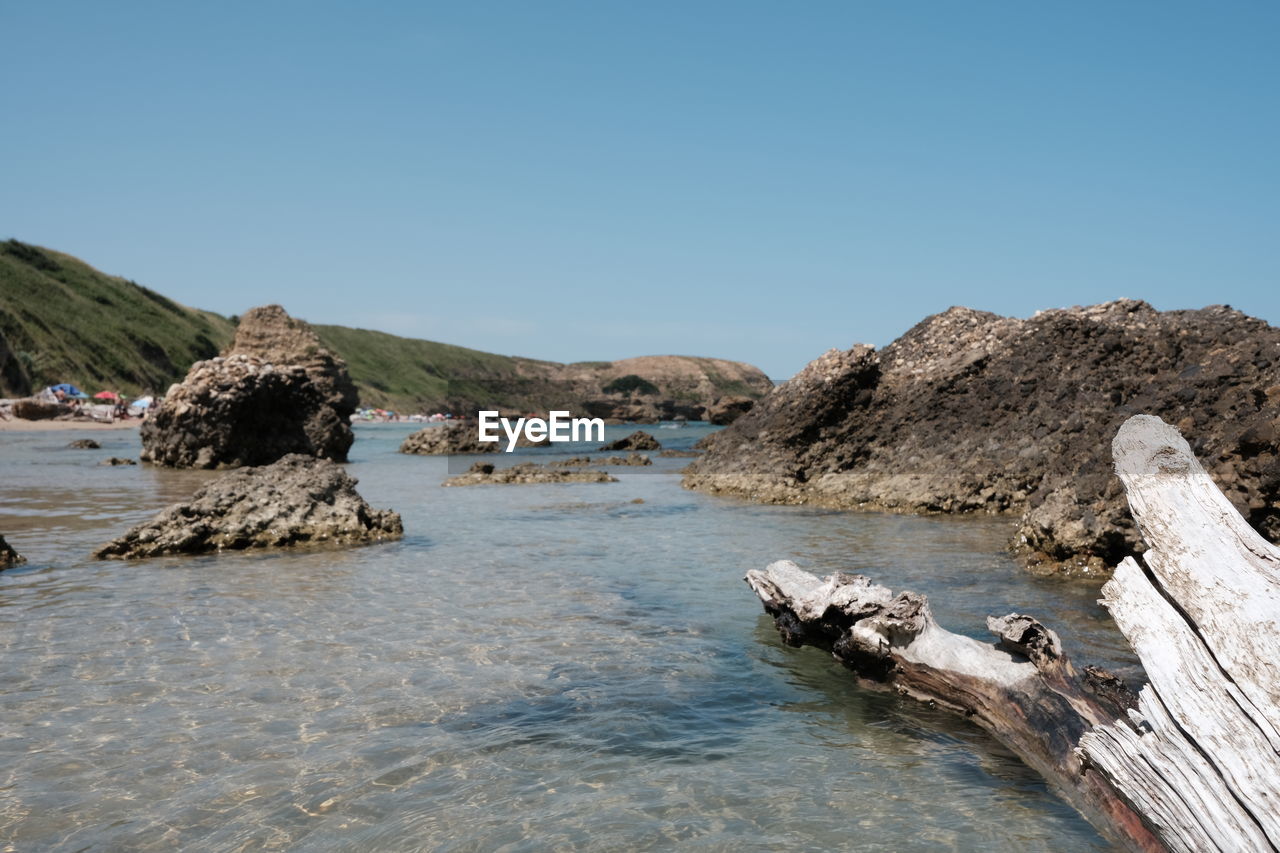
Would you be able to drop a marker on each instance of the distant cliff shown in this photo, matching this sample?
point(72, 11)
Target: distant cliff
point(61, 320)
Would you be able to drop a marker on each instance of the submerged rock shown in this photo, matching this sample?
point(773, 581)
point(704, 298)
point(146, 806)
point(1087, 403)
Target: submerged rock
point(582, 461)
point(638, 440)
point(118, 460)
point(287, 394)
point(8, 556)
point(84, 444)
point(298, 500)
point(973, 412)
point(526, 473)
point(571, 462)
point(636, 459)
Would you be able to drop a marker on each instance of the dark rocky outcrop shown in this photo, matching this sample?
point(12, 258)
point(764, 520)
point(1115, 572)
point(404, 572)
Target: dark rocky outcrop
point(84, 444)
point(285, 394)
point(240, 410)
point(525, 473)
point(726, 410)
point(973, 412)
point(8, 556)
point(298, 500)
point(638, 440)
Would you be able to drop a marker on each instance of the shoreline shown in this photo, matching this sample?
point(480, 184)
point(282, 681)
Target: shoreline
point(20, 425)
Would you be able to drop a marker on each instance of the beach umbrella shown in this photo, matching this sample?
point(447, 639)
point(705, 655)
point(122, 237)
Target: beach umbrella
point(106, 395)
point(70, 390)
point(140, 403)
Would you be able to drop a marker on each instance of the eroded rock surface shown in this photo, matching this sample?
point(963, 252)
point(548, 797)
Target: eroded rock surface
point(298, 500)
point(269, 333)
point(8, 556)
point(638, 440)
point(526, 473)
point(973, 412)
point(284, 394)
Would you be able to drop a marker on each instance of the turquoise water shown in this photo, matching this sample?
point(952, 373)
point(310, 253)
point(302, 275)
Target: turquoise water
point(531, 668)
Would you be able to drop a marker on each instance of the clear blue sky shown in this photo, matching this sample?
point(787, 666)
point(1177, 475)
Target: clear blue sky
point(593, 180)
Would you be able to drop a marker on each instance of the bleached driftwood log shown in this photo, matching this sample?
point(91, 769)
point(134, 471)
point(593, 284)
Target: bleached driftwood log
point(1200, 758)
point(1190, 765)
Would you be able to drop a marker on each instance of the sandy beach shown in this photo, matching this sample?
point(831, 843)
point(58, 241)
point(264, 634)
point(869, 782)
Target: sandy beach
point(20, 425)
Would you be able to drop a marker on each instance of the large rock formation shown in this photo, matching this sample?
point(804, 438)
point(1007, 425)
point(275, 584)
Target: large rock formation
point(8, 556)
point(269, 333)
point(973, 412)
point(277, 391)
point(295, 501)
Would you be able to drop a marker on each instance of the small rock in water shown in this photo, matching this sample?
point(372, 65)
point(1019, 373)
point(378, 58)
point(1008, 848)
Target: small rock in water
point(455, 437)
point(8, 556)
point(118, 460)
point(84, 444)
point(298, 500)
point(638, 440)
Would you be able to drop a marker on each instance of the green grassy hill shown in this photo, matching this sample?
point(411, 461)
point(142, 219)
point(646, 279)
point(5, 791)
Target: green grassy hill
point(61, 320)
point(408, 374)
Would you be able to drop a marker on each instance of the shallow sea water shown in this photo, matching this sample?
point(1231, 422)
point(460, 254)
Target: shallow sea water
point(545, 667)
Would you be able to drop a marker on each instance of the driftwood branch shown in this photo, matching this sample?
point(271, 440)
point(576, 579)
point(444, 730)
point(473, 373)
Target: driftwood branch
point(1192, 763)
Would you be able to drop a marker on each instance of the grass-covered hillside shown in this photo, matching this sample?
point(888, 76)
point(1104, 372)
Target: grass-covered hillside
point(408, 374)
point(61, 320)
